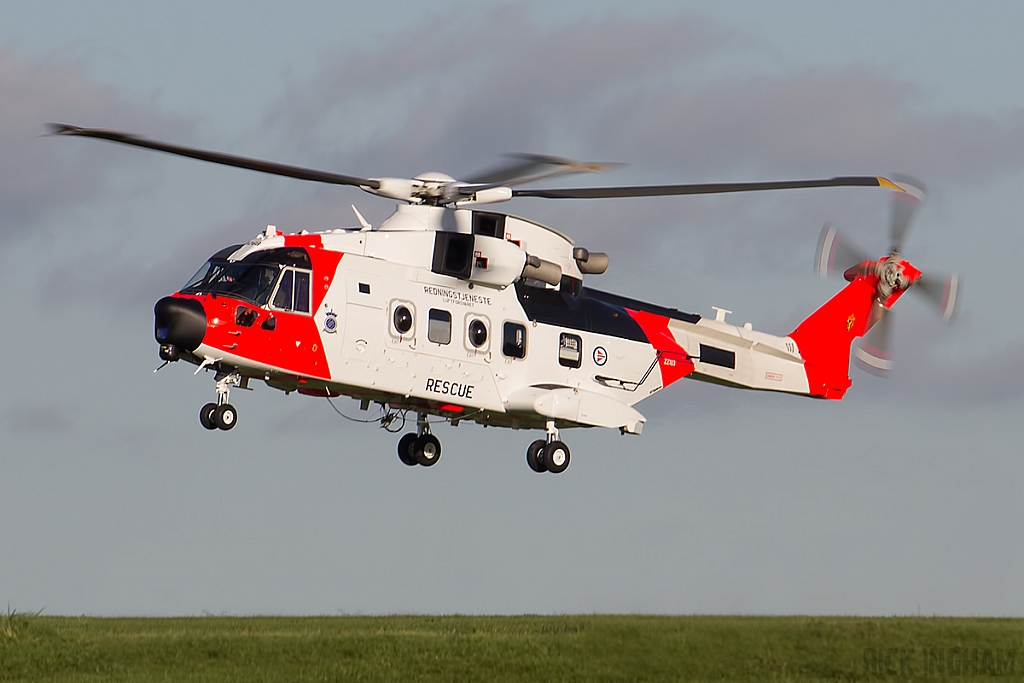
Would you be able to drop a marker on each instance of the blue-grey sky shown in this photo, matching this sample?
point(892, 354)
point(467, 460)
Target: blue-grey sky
point(903, 498)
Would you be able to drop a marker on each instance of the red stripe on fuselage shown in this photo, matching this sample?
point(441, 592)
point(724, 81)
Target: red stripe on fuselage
point(294, 345)
point(673, 360)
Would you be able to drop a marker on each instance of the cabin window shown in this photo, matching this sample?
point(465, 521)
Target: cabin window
point(293, 291)
point(402, 319)
point(477, 332)
point(570, 350)
point(717, 356)
point(514, 340)
point(439, 326)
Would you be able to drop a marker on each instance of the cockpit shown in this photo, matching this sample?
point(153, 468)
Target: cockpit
point(278, 278)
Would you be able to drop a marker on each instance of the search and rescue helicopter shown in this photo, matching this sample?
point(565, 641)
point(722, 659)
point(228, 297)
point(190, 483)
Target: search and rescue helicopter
point(448, 310)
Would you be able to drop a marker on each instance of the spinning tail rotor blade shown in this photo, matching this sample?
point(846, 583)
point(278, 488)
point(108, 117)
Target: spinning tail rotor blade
point(835, 254)
point(873, 354)
point(904, 205)
point(945, 293)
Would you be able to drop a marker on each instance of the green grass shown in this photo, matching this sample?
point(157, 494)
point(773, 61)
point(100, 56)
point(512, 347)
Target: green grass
point(458, 648)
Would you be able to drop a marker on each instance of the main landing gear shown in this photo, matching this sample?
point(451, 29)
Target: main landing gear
point(421, 448)
point(550, 454)
point(221, 415)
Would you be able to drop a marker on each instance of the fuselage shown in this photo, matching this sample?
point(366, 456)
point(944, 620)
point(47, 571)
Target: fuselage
point(393, 316)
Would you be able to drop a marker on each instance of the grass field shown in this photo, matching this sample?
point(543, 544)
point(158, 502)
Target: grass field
point(526, 648)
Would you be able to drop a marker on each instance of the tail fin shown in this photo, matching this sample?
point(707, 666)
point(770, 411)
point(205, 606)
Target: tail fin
point(824, 338)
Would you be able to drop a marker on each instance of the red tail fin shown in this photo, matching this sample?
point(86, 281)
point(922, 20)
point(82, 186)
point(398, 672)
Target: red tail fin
point(824, 338)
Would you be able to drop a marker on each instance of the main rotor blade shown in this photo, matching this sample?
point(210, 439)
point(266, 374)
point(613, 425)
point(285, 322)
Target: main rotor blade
point(217, 157)
point(945, 294)
point(522, 168)
point(873, 354)
point(905, 201)
point(704, 188)
point(835, 254)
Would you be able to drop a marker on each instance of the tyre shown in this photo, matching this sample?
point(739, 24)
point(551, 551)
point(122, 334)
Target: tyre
point(225, 416)
point(206, 415)
point(535, 456)
point(426, 449)
point(556, 457)
point(405, 449)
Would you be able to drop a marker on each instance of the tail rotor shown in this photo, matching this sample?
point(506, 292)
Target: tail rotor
point(835, 253)
point(874, 353)
point(943, 293)
point(891, 275)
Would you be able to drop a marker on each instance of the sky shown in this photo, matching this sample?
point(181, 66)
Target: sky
point(904, 498)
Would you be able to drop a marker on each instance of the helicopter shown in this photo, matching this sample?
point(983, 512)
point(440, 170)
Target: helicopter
point(458, 313)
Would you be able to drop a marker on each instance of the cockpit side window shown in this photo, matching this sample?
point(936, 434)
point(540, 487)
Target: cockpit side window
point(293, 291)
point(302, 278)
point(283, 297)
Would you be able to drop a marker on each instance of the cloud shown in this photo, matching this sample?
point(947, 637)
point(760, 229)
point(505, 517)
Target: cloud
point(457, 92)
point(42, 174)
point(454, 93)
point(846, 121)
point(38, 418)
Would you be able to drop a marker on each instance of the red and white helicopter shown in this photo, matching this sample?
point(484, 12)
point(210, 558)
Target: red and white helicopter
point(448, 310)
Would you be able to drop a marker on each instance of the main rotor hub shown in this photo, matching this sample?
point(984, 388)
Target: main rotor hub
point(434, 177)
point(435, 188)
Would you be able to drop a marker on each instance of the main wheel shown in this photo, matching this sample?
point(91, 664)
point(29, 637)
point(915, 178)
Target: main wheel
point(206, 415)
point(405, 449)
point(535, 456)
point(426, 449)
point(556, 457)
point(225, 416)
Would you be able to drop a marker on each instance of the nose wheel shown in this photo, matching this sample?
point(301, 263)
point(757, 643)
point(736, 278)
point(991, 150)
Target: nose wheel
point(221, 415)
point(421, 447)
point(548, 455)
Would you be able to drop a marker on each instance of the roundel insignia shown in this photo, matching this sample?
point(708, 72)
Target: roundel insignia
point(600, 355)
point(331, 322)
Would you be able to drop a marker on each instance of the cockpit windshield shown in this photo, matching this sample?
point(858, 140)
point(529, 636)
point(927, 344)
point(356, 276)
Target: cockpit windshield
point(251, 279)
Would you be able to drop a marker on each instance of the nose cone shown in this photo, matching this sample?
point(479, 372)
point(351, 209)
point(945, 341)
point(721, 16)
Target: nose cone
point(180, 322)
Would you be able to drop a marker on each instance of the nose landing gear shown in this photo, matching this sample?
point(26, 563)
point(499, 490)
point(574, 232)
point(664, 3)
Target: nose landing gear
point(421, 448)
point(548, 455)
point(221, 415)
